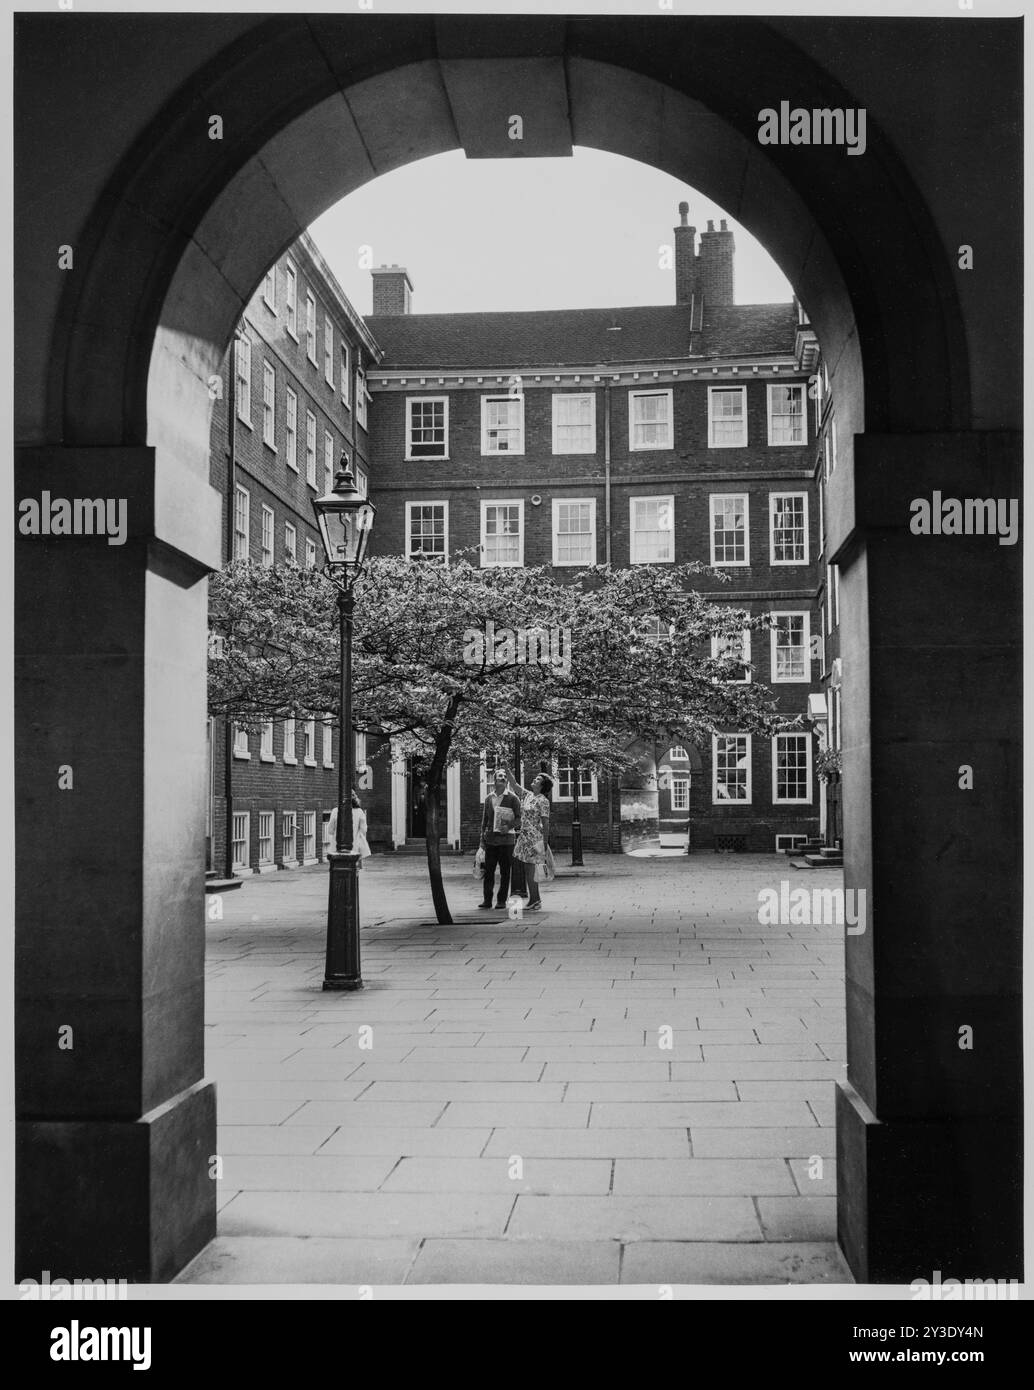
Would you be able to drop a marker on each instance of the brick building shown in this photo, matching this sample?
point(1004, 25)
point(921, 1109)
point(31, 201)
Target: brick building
point(295, 398)
point(631, 436)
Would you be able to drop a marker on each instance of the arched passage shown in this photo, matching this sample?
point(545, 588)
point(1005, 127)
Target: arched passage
point(310, 108)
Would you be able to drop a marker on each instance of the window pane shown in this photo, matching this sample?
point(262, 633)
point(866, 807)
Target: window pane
point(503, 535)
point(789, 536)
point(791, 751)
point(427, 531)
point(652, 529)
point(574, 539)
point(731, 767)
point(730, 535)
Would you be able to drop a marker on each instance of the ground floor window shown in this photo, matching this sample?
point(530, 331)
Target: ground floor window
point(241, 839)
point(564, 790)
point(791, 767)
point(289, 834)
point(680, 793)
point(309, 834)
point(265, 837)
point(731, 768)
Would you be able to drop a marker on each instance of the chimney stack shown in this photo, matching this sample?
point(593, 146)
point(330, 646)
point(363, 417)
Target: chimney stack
point(392, 289)
point(685, 258)
point(715, 265)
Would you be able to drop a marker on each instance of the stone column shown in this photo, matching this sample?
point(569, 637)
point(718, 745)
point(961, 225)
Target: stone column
point(116, 1126)
point(929, 1119)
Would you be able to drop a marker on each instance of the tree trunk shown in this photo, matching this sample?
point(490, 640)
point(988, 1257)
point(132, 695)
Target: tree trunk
point(434, 856)
point(433, 807)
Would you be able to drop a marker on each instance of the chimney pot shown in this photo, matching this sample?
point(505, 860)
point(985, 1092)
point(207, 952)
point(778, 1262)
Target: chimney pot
point(724, 225)
point(710, 224)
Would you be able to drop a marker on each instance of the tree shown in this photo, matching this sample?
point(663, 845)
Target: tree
point(453, 660)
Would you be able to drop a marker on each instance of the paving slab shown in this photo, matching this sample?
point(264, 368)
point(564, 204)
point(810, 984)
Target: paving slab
point(542, 1262)
point(542, 1040)
point(716, 1262)
point(302, 1260)
point(635, 1218)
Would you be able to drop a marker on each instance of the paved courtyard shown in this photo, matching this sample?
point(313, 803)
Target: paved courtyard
point(634, 1086)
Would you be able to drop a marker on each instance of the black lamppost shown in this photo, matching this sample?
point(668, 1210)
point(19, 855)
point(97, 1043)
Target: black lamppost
point(345, 520)
point(576, 820)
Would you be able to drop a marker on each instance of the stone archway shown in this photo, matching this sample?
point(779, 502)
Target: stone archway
point(118, 402)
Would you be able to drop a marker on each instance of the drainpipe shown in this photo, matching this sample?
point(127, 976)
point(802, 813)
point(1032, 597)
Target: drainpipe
point(606, 469)
point(606, 534)
point(231, 431)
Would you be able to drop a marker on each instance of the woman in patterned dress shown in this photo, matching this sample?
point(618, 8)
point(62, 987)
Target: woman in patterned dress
point(533, 838)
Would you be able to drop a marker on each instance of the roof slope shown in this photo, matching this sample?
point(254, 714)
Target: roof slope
point(580, 337)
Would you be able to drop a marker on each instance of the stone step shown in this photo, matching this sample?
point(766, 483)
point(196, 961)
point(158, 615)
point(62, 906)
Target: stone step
point(822, 861)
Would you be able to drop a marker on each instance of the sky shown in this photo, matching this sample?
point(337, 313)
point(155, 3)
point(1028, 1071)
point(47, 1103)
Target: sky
point(494, 234)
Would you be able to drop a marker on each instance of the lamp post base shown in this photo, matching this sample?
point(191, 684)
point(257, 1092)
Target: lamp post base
point(343, 970)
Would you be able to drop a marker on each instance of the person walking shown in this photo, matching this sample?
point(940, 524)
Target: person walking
point(532, 845)
point(500, 822)
point(360, 844)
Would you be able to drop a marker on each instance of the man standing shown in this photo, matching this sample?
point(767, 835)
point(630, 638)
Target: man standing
point(500, 822)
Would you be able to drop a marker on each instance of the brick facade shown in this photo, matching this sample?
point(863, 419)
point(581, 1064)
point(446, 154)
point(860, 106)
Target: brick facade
point(327, 390)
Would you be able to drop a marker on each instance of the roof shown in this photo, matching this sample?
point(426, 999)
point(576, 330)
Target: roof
point(582, 337)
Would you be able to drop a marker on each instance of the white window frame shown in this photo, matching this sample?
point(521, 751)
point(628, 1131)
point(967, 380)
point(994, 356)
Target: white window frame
point(290, 754)
point(429, 502)
point(740, 443)
point(426, 400)
point(747, 800)
point(716, 654)
point(517, 502)
point(634, 395)
point(268, 536)
point(241, 534)
point(360, 397)
point(269, 405)
point(309, 743)
point(310, 450)
point(790, 800)
point(772, 496)
point(805, 647)
point(266, 754)
point(269, 288)
point(328, 350)
point(241, 747)
point(680, 783)
point(291, 298)
point(583, 773)
point(242, 381)
point(678, 753)
point(328, 459)
point(291, 435)
point(743, 497)
point(310, 327)
point(632, 531)
point(836, 595)
point(590, 535)
point(589, 396)
point(241, 823)
point(800, 386)
point(267, 820)
point(291, 542)
point(345, 385)
point(518, 401)
point(289, 836)
point(328, 742)
point(833, 436)
point(311, 554)
point(309, 836)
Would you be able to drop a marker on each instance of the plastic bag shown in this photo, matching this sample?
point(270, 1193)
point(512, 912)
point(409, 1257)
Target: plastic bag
point(548, 873)
point(479, 862)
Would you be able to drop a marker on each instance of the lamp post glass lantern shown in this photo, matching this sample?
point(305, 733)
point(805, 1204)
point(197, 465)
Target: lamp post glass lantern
point(345, 520)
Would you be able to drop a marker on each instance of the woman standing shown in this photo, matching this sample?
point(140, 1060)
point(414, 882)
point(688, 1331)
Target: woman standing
point(360, 844)
point(533, 839)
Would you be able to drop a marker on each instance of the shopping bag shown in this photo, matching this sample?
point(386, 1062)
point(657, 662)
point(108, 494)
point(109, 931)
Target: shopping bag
point(548, 867)
point(479, 863)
